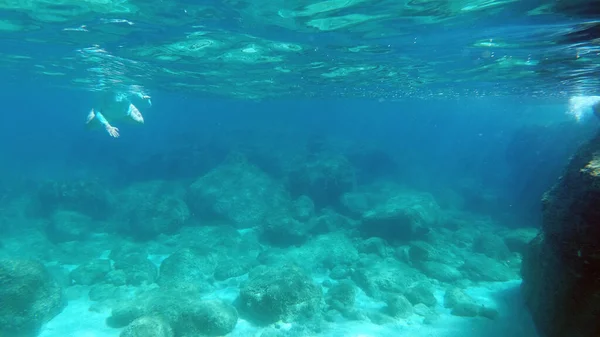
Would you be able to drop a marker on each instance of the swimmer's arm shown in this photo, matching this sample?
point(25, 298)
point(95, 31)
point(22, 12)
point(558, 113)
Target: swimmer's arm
point(113, 131)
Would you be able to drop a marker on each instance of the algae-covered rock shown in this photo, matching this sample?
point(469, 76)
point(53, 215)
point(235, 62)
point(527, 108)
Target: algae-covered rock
point(303, 208)
point(440, 271)
point(421, 293)
point(324, 251)
point(491, 246)
point(398, 306)
point(69, 226)
point(89, 197)
point(401, 217)
point(379, 278)
point(465, 306)
point(138, 269)
point(281, 229)
point(341, 296)
point(280, 293)
point(91, 272)
point(29, 297)
point(479, 267)
point(182, 311)
point(518, 239)
point(238, 192)
point(187, 268)
point(147, 210)
point(206, 318)
point(148, 326)
point(324, 178)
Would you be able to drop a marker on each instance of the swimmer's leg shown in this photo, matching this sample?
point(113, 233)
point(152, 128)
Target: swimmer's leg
point(91, 115)
point(135, 114)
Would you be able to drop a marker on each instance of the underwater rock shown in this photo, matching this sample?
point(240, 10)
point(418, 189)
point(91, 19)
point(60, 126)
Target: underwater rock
point(147, 210)
point(421, 251)
point(479, 267)
point(341, 296)
point(138, 269)
point(454, 296)
point(84, 196)
point(131, 265)
point(401, 217)
point(187, 268)
point(324, 178)
point(356, 203)
point(116, 277)
point(460, 303)
point(228, 268)
point(104, 292)
point(219, 239)
point(303, 208)
point(376, 246)
point(283, 293)
point(491, 246)
point(29, 297)
point(421, 293)
point(206, 318)
point(238, 192)
point(90, 272)
point(398, 306)
point(440, 271)
point(367, 197)
point(148, 326)
point(326, 251)
point(340, 272)
point(561, 267)
point(380, 279)
point(517, 240)
point(330, 221)
point(281, 229)
point(428, 313)
point(465, 306)
point(68, 226)
point(183, 310)
point(437, 262)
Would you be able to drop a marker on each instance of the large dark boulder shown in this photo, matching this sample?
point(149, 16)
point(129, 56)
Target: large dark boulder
point(29, 297)
point(561, 267)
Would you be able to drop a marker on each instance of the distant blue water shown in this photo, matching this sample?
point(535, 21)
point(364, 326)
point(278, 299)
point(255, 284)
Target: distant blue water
point(434, 145)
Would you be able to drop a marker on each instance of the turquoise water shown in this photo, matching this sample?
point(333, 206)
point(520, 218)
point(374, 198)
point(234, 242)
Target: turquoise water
point(338, 168)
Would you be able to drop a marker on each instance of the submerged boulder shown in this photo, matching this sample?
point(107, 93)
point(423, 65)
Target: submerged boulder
point(180, 311)
point(401, 217)
point(29, 297)
point(283, 293)
point(561, 267)
point(89, 197)
point(148, 326)
point(187, 268)
point(237, 192)
point(324, 178)
point(146, 210)
point(67, 226)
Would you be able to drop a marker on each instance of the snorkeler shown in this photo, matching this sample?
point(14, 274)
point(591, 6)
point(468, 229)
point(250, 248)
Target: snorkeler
point(117, 106)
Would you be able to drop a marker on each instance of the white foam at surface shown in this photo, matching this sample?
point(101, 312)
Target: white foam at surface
point(580, 107)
